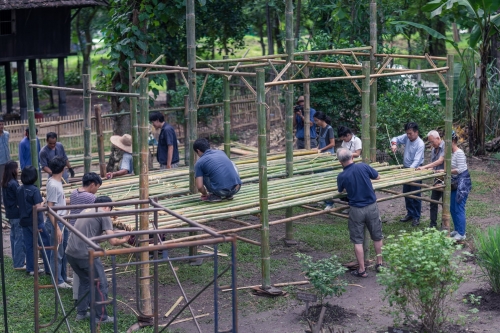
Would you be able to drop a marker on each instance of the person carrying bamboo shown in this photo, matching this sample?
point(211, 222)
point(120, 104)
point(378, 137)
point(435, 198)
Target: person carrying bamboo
point(437, 164)
point(412, 158)
point(355, 179)
point(124, 143)
point(216, 175)
point(299, 123)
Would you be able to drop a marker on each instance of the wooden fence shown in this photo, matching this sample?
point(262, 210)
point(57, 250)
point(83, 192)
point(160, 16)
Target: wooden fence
point(70, 128)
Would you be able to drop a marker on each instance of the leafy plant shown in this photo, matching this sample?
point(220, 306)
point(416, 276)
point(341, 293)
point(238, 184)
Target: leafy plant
point(422, 274)
point(488, 255)
point(324, 275)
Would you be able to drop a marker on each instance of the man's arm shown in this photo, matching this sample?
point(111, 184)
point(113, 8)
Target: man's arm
point(55, 225)
point(122, 172)
point(397, 140)
point(439, 161)
point(199, 185)
point(357, 153)
point(116, 241)
point(170, 153)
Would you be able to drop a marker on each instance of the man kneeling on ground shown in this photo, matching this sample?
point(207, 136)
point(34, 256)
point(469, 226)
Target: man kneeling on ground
point(216, 176)
point(355, 179)
point(78, 258)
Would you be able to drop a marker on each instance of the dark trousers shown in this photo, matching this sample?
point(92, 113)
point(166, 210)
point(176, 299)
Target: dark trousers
point(82, 268)
point(223, 193)
point(435, 195)
point(413, 206)
point(28, 245)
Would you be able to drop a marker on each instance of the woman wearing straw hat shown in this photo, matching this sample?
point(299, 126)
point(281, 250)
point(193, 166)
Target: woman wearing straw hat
point(124, 143)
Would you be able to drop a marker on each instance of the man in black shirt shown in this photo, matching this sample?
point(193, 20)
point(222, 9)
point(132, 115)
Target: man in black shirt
point(168, 152)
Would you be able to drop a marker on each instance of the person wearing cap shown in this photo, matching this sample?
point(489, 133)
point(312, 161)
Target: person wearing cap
point(412, 158)
point(25, 148)
point(124, 143)
point(4, 148)
point(168, 152)
point(299, 122)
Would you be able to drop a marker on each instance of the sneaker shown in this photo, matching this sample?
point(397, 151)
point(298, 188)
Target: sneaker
point(406, 218)
point(82, 317)
point(69, 280)
point(64, 285)
point(108, 319)
point(40, 271)
point(213, 198)
point(23, 268)
point(328, 207)
point(459, 238)
point(453, 233)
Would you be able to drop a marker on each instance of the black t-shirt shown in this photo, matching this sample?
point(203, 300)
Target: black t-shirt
point(167, 137)
point(27, 197)
point(10, 199)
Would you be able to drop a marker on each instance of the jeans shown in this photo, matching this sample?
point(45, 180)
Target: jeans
point(223, 193)
point(82, 268)
point(413, 206)
point(301, 143)
point(457, 211)
point(28, 244)
point(62, 274)
point(435, 195)
point(17, 243)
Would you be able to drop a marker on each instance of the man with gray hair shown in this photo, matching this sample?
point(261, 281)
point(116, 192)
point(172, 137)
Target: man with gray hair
point(356, 181)
point(437, 164)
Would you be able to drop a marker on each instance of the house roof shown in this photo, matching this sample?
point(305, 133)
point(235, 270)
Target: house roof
point(25, 4)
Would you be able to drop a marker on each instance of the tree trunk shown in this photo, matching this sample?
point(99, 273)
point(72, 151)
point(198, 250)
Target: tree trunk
point(171, 82)
point(269, 22)
point(261, 40)
point(483, 89)
point(277, 35)
point(437, 47)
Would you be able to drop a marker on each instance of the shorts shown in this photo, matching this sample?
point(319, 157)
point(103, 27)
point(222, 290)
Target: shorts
point(365, 216)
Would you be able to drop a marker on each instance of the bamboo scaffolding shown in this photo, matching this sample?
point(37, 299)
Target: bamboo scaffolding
point(159, 72)
point(307, 107)
point(100, 142)
point(273, 56)
point(365, 112)
point(235, 67)
point(406, 56)
point(410, 194)
point(41, 86)
point(334, 51)
point(143, 74)
point(31, 121)
point(193, 112)
point(208, 71)
point(113, 93)
point(374, 82)
point(87, 146)
point(178, 68)
point(133, 117)
point(448, 120)
point(227, 111)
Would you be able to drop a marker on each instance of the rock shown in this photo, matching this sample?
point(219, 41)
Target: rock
point(493, 145)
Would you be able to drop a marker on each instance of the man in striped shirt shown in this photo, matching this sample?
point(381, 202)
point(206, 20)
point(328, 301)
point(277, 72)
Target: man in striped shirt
point(84, 195)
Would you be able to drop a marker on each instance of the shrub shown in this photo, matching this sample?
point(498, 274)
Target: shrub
point(488, 255)
point(324, 275)
point(422, 274)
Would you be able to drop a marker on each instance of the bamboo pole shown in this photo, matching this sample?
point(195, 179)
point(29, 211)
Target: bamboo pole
point(334, 51)
point(187, 152)
point(263, 191)
point(227, 111)
point(31, 122)
point(448, 120)
point(145, 296)
point(210, 71)
point(307, 108)
point(406, 56)
point(205, 62)
point(374, 87)
point(290, 42)
point(191, 62)
point(182, 69)
point(100, 140)
point(133, 116)
point(87, 146)
point(365, 112)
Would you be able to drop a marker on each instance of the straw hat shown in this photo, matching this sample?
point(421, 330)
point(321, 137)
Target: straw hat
point(123, 142)
point(300, 99)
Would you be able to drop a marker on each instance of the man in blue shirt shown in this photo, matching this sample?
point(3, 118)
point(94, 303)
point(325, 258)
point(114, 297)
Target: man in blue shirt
point(356, 181)
point(216, 176)
point(299, 122)
point(25, 149)
point(168, 152)
point(412, 158)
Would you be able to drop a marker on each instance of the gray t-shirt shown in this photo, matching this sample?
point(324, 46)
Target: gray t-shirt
point(46, 154)
point(90, 227)
point(55, 194)
point(436, 153)
point(127, 163)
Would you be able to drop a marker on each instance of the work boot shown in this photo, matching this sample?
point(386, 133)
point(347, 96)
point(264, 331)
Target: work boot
point(415, 222)
point(433, 224)
point(406, 218)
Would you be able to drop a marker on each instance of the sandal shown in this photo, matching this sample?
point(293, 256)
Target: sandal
point(378, 267)
point(359, 274)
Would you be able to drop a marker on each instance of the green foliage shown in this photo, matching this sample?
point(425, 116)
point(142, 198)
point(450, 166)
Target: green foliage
point(402, 104)
point(422, 274)
point(488, 255)
point(72, 78)
point(324, 275)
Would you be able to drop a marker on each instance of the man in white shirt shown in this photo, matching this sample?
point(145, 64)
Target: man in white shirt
point(350, 141)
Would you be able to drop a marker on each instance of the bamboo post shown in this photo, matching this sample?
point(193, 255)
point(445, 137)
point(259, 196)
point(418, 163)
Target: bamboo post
point(31, 122)
point(133, 116)
point(145, 297)
point(289, 111)
point(87, 147)
point(227, 112)
point(448, 120)
point(307, 108)
point(373, 88)
point(187, 152)
point(263, 194)
point(191, 64)
point(365, 135)
point(100, 140)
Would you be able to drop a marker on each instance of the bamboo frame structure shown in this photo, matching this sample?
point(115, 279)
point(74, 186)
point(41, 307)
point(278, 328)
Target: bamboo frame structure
point(307, 107)
point(145, 294)
point(193, 111)
point(100, 140)
point(133, 116)
point(31, 120)
point(227, 111)
point(365, 112)
point(87, 147)
point(448, 120)
point(373, 83)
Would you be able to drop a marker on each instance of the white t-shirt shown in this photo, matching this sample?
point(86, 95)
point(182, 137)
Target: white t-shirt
point(55, 194)
point(352, 145)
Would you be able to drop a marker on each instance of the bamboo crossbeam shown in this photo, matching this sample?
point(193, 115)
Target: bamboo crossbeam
point(273, 56)
point(349, 74)
point(237, 65)
point(209, 71)
point(41, 86)
point(441, 77)
point(113, 93)
point(410, 195)
point(183, 69)
point(160, 72)
point(319, 79)
point(406, 56)
point(417, 71)
point(143, 74)
point(333, 51)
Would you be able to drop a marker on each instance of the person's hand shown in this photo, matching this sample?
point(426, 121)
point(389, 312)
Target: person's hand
point(394, 148)
point(169, 166)
point(420, 168)
point(319, 151)
point(71, 172)
point(109, 175)
point(59, 236)
point(204, 197)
